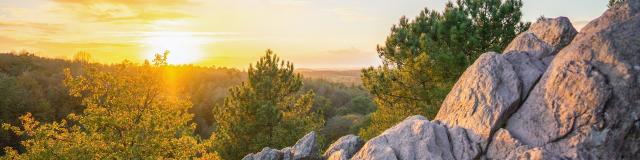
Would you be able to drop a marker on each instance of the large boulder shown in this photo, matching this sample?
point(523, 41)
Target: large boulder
point(586, 104)
point(557, 32)
point(346, 145)
point(493, 87)
point(305, 148)
point(266, 154)
point(338, 155)
point(418, 138)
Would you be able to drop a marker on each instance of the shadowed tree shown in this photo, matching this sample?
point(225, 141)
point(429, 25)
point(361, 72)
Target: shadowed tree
point(264, 111)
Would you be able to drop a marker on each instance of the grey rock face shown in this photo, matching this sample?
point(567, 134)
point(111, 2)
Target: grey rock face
point(305, 148)
point(586, 104)
point(557, 32)
point(266, 154)
point(530, 43)
point(338, 155)
point(483, 94)
point(418, 138)
point(503, 146)
point(348, 145)
point(492, 88)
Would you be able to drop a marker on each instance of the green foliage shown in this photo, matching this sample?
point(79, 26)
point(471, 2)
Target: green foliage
point(613, 3)
point(128, 115)
point(264, 111)
point(423, 58)
point(34, 84)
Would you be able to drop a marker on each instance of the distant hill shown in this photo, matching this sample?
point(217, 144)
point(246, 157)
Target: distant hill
point(347, 76)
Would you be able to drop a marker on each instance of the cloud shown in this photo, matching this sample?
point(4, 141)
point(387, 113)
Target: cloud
point(44, 27)
point(124, 11)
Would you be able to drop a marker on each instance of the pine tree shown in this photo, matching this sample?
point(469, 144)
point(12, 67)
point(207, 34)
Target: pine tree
point(264, 111)
point(613, 3)
point(423, 58)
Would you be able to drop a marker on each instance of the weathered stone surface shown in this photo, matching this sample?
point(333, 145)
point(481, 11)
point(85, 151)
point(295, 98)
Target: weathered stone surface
point(417, 138)
point(529, 42)
point(266, 154)
point(348, 144)
point(503, 146)
point(485, 92)
point(557, 32)
point(305, 147)
point(492, 88)
point(338, 155)
point(586, 104)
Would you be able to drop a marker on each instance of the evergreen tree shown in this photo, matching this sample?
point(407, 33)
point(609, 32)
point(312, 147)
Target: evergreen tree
point(423, 58)
point(613, 3)
point(264, 111)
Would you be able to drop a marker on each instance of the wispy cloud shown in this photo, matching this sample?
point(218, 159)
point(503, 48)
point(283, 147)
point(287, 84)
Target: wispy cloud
point(143, 11)
point(44, 27)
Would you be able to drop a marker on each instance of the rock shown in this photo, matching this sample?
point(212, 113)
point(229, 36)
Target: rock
point(287, 153)
point(493, 87)
point(348, 145)
point(557, 32)
point(486, 91)
point(503, 146)
point(266, 154)
point(417, 138)
point(529, 42)
point(338, 155)
point(305, 147)
point(586, 104)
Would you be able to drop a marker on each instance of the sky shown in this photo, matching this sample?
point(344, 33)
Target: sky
point(327, 34)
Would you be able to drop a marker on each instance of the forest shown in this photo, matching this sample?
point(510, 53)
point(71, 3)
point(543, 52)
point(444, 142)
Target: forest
point(34, 85)
point(79, 109)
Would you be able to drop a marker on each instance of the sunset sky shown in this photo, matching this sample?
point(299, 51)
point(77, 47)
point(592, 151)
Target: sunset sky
point(232, 33)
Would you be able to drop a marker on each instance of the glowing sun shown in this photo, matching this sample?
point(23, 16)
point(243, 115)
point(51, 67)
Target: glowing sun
point(184, 47)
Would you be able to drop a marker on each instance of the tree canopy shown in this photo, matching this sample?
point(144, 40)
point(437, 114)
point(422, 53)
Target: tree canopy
point(128, 115)
point(264, 111)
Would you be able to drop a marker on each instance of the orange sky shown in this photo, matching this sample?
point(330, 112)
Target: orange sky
point(232, 33)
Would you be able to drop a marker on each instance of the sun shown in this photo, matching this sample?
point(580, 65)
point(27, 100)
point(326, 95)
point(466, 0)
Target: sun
point(184, 48)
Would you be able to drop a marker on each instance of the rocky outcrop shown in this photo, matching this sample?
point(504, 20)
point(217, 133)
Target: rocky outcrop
point(587, 103)
point(492, 88)
point(548, 96)
point(305, 148)
point(552, 94)
point(345, 147)
point(418, 138)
